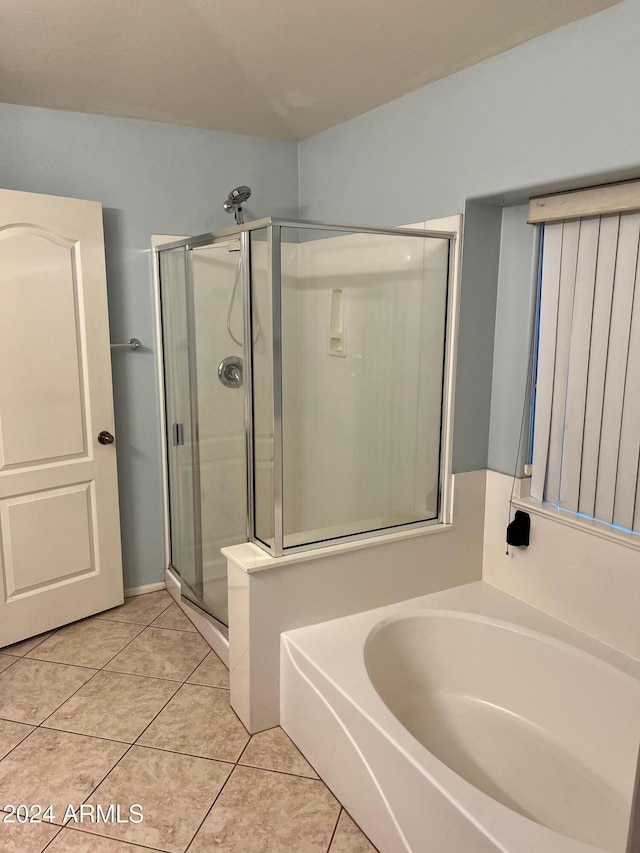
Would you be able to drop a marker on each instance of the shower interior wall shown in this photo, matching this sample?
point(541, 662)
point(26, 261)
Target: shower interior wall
point(215, 272)
point(355, 428)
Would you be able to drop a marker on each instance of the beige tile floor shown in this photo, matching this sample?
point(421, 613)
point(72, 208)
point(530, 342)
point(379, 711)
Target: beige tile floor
point(132, 707)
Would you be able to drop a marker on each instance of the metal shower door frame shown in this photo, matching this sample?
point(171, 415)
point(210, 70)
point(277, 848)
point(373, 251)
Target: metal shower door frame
point(445, 466)
point(188, 244)
point(195, 434)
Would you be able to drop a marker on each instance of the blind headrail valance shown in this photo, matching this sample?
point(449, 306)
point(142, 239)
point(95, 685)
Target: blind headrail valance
point(594, 201)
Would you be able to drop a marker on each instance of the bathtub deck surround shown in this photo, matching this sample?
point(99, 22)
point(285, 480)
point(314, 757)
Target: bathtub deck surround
point(270, 595)
point(131, 706)
point(468, 720)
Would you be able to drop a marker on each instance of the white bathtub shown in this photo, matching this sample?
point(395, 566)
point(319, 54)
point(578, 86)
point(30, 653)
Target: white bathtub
point(467, 722)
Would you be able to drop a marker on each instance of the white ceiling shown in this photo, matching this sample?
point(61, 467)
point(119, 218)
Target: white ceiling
point(278, 68)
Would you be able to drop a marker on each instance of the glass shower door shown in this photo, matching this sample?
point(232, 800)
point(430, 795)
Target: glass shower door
point(203, 336)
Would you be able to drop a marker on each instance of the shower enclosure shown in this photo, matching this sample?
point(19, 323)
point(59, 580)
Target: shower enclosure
point(305, 389)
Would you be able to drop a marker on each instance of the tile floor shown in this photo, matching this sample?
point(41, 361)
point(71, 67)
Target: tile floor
point(132, 707)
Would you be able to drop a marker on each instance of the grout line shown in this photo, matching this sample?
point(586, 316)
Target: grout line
point(181, 630)
point(198, 664)
point(159, 677)
point(281, 772)
point(53, 837)
point(143, 628)
point(156, 716)
point(209, 810)
point(13, 662)
point(22, 740)
point(48, 633)
point(165, 705)
point(201, 684)
point(111, 769)
point(335, 828)
point(237, 717)
point(244, 748)
point(117, 840)
point(135, 637)
point(138, 675)
point(177, 752)
point(83, 734)
point(58, 663)
point(206, 687)
point(19, 722)
point(360, 828)
point(57, 708)
point(226, 690)
point(103, 618)
point(81, 666)
point(100, 618)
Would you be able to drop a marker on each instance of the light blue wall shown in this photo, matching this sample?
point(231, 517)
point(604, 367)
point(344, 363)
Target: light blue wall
point(560, 107)
point(151, 178)
point(515, 306)
point(481, 254)
point(559, 111)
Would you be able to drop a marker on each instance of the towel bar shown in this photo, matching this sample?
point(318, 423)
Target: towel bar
point(133, 343)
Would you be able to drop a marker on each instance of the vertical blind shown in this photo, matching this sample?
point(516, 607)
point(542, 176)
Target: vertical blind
point(586, 448)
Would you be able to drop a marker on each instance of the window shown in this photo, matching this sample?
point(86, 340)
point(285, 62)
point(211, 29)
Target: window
point(586, 448)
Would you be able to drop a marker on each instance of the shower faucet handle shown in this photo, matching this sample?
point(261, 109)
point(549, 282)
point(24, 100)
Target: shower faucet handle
point(230, 371)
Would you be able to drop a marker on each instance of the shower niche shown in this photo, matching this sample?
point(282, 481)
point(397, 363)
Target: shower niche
point(307, 389)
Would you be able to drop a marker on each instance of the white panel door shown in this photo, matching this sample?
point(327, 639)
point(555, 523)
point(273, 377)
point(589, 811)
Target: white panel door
point(60, 556)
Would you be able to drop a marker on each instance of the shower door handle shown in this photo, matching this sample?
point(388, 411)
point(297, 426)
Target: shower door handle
point(178, 434)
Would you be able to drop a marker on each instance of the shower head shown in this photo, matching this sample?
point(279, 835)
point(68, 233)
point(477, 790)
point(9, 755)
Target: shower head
point(235, 200)
point(239, 195)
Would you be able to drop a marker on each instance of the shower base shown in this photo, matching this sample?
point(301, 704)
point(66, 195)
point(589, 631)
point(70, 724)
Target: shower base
point(214, 632)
